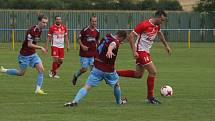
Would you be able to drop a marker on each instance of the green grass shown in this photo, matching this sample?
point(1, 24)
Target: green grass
point(189, 71)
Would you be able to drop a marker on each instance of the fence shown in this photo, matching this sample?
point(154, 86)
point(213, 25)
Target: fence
point(184, 35)
point(180, 25)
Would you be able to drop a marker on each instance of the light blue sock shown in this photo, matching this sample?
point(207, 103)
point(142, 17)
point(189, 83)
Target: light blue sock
point(117, 94)
point(39, 79)
point(78, 73)
point(12, 72)
point(81, 93)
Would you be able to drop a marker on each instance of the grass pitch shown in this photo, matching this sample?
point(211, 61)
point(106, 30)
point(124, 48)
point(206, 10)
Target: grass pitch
point(189, 71)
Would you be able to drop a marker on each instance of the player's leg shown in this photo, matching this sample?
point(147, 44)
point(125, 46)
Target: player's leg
point(12, 71)
point(23, 64)
point(138, 73)
point(150, 83)
point(55, 56)
point(59, 60)
point(94, 79)
point(84, 66)
point(52, 72)
point(40, 77)
point(112, 80)
point(37, 63)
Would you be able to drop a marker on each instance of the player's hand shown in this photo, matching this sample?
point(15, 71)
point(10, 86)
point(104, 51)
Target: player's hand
point(85, 48)
point(136, 55)
point(67, 49)
point(44, 50)
point(168, 49)
point(109, 54)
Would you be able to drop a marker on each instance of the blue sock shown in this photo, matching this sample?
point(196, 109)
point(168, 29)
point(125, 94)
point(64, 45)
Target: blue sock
point(39, 79)
point(12, 72)
point(81, 93)
point(117, 94)
point(78, 73)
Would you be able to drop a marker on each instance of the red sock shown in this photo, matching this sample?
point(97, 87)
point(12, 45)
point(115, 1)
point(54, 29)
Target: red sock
point(58, 65)
point(54, 67)
point(126, 73)
point(150, 85)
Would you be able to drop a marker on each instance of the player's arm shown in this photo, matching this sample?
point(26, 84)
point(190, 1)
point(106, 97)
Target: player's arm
point(131, 40)
point(163, 40)
point(49, 38)
point(67, 42)
point(47, 41)
point(67, 39)
point(85, 48)
point(110, 53)
point(31, 45)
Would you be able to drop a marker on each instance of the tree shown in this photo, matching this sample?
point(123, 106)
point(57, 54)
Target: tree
point(205, 5)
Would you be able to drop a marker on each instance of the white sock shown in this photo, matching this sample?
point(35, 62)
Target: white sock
point(38, 88)
point(3, 70)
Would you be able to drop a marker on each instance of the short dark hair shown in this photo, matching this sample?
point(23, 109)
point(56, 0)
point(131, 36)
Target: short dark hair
point(56, 17)
point(122, 33)
point(41, 16)
point(159, 13)
point(92, 17)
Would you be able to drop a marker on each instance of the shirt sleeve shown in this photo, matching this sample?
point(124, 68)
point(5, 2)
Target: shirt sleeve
point(139, 28)
point(97, 37)
point(50, 32)
point(81, 34)
point(30, 35)
point(113, 45)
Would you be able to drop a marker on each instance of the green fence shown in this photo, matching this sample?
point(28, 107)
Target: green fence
point(23, 19)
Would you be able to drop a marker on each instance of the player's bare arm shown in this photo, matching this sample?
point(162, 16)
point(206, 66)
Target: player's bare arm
point(132, 36)
point(110, 53)
point(47, 42)
point(31, 45)
point(85, 48)
point(67, 42)
point(163, 40)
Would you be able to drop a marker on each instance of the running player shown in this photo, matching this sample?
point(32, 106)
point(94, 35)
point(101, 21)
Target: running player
point(104, 68)
point(88, 40)
point(57, 33)
point(145, 32)
point(28, 56)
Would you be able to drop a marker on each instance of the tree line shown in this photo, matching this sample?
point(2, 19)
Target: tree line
point(90, 4)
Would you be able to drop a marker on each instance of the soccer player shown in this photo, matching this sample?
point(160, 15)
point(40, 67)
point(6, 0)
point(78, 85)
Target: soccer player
point(88, 40)
point(145, 32)
point(28, 55)
point(104, 68)
point(56, 35)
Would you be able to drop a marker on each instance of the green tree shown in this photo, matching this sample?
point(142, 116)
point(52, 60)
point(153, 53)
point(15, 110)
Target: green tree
point(205, 5)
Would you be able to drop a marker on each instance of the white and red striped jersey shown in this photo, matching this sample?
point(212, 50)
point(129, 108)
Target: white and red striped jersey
point(146, 32)
point(57, 33)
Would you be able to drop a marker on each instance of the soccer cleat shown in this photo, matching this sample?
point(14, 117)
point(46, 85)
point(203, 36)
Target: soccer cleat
point(56, 76)
point(153, 100)
point(40, 92)
point(53, 75)
point(3, 70)
point(74, 80)
point(124, 101)
point(50, 74)
point(70, 104)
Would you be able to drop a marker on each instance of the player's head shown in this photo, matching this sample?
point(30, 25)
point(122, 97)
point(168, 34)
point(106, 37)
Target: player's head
point(121, 34)
point(159, 17)
point(58, 20)
point(42, 21)
point(93, 21)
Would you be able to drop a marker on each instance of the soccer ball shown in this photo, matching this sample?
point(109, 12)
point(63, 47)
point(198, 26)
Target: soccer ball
point(166, 91)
